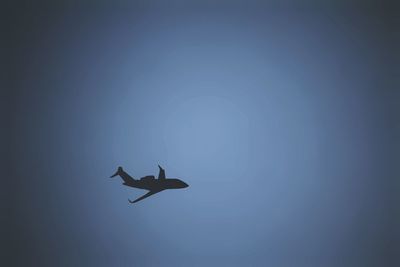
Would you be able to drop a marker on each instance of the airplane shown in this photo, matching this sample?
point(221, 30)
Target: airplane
point(150, 183)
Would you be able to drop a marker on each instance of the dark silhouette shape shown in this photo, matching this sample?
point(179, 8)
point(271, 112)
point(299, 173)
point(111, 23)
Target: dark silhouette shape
point(150, 183)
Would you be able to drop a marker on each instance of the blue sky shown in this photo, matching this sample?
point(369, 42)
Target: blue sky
point(281, 120)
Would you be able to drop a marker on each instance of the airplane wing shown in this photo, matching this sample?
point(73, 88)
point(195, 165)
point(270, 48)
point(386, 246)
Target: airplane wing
point(143, 197)
point(161, 174)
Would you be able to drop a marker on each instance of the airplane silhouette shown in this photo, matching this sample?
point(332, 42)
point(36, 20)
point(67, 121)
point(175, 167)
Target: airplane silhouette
point(150, 183)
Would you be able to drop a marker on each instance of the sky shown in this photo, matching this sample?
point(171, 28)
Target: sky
point(283, 120)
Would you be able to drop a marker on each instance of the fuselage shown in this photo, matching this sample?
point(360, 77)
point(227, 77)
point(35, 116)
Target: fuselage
point(158, 184)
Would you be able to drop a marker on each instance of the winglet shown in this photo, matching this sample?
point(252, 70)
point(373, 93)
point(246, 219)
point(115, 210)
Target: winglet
point(161, 174)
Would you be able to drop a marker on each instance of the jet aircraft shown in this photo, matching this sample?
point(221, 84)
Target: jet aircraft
point(150, 182)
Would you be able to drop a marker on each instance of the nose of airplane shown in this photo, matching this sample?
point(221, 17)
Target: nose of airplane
point(184, 185)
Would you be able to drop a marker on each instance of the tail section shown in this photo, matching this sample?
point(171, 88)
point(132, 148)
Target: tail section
point(120, 170)
point(128, 180)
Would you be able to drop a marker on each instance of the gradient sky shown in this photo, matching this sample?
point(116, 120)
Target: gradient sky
point(283, 121)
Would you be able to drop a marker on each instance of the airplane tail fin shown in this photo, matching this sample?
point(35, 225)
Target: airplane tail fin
point(128, 180)
point(120, 170)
